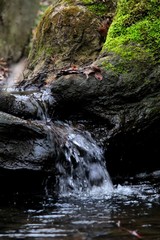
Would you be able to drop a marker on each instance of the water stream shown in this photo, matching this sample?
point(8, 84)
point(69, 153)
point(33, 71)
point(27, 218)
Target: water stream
point(86, 216)
point(80, 165)
point(88, 205)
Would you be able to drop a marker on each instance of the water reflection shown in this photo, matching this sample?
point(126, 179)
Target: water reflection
point(136, 206)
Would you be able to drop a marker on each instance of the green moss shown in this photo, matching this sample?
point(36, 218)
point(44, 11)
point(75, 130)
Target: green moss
point(87, 1)
point(71, 2)
point(135, 31)
point(44, 24)
point(100, 8)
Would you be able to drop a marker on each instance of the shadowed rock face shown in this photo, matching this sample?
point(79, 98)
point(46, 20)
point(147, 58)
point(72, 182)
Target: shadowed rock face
point(123, 115)
point(26, 148)
point(24, 144)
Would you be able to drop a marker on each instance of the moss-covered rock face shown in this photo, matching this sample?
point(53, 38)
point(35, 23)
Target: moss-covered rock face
point(101, 8)
point(131, 56)
point(67, 34)
point(134, 35)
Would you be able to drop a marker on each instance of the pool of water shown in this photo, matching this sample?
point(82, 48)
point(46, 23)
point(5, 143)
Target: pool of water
point(130, 211)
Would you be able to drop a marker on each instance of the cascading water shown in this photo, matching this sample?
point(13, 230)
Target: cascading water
point(79, 161)
point(81, 166)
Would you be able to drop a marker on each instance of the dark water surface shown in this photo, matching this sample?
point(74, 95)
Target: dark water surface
point(134, 205)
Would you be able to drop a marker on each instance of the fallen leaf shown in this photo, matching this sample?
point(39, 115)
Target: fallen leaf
point(98, 76)
point(132, 232)
point(74, 67)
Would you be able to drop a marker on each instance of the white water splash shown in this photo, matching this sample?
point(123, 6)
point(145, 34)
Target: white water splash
point(83, 168)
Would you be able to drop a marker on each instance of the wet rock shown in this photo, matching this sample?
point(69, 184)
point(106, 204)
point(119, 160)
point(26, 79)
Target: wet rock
point(121, 111)
point(24, 144)
point(33, 104)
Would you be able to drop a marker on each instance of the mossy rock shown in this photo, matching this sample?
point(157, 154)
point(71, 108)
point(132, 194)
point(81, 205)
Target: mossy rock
point(98, 7)
point(134, 36)
point(67, 34)
point(101, 8)
point(131, 55)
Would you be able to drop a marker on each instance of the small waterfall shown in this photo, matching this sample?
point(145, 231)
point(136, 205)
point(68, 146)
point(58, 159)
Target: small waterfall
point(32, 104)
point(79, 161)
point(81, 166)
point(44, 99)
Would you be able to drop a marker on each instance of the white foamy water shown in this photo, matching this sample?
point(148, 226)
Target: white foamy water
point(82, 168)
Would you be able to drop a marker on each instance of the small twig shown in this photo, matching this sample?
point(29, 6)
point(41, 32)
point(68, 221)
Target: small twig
point(68, 71)
point(132, 232)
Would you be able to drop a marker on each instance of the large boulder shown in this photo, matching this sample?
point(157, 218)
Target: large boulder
point(68, 35)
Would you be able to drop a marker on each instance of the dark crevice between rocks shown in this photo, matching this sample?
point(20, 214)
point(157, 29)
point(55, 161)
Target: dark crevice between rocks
point(127, 152)
point(132, 153)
